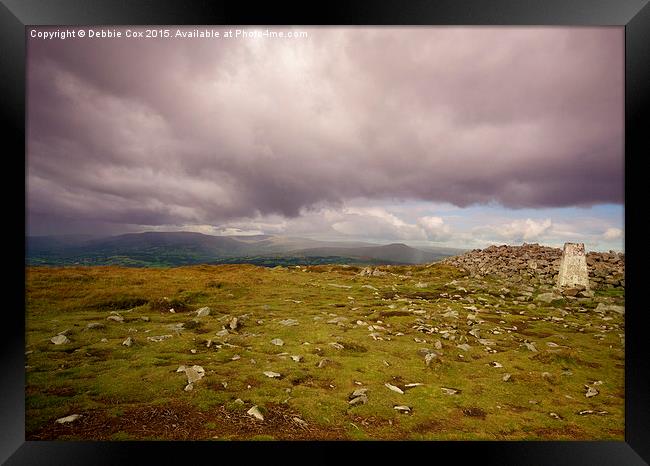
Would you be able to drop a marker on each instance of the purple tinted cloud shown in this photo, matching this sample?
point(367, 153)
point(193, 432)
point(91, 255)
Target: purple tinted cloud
point(203, 131)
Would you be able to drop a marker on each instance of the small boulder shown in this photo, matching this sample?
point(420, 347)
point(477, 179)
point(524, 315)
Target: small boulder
point(59, 340)
point(255, 412)
point(67, 419)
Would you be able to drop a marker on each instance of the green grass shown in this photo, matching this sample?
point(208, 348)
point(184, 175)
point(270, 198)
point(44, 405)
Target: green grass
point(113, 380)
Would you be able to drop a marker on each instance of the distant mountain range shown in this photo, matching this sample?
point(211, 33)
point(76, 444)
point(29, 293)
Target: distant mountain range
point(160, 249)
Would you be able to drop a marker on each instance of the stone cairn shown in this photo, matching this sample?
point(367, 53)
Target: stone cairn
point(539, 265)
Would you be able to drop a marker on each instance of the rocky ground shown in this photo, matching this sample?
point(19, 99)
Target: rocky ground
point(537, 264)
point(323, 352)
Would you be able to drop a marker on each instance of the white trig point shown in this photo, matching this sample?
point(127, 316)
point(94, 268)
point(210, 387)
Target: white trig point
point(573, 268)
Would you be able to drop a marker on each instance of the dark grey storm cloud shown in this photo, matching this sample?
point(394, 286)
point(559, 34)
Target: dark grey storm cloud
point(165, 132)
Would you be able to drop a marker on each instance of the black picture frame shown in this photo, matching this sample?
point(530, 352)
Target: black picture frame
point(634, 15)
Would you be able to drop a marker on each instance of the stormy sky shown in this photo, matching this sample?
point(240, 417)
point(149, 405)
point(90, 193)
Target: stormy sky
point(429, 135)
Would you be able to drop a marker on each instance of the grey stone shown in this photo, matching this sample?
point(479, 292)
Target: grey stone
point(234, 323)
point(289, 322)
point(194, 373)
point(95, 326)
point(277, 342)
point(361, 399)
point(394, 388)
point(67, 419)
point(116, 318)
point(449, 391)
point(271, 374)
point(337, 320)
point(429, 357)
point(255, 412)
point(602, 307)
point(531, 347)
point(402, 409)
point(203, 312)
point(547, 297)
point(160, 338)
point(325, 362)
point(128, 342)
point(300, 422)
point(59, 340)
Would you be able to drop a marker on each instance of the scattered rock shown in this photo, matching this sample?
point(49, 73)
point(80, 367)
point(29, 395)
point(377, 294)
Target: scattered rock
point(429, 357)
point(506, 377)
point(288, 322)
point(255, 412)
point(271, 374)
point(547, 297)
point(324, 363)
point(590, 411)
point(128, 342)
point(234, 323)
point(59, 340)
point(449, 391)
point(222, 333)
point(194, 373)
point(95, 326)
point(358, 392)
point(277, 342)
point(362, 399)
point(71, 418)
point(337, 346)
point(464, 347)
point(610, 308)
point(591, 391)
point(296, 358)
point(300, 422)
point(203, 312)
point(159, 338)
point(413, 385)
point(531, 347)
point(116, 318)
point(495, 364)
point(337, 320)
point(402, 409)
point(394, 388)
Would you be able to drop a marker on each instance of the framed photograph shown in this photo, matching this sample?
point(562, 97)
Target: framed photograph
point(365, 228)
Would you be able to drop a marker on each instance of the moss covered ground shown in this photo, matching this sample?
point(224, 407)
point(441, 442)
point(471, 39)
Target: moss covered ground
point(352, 332)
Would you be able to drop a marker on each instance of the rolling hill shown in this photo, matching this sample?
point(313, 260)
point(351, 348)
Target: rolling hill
point(151, 249)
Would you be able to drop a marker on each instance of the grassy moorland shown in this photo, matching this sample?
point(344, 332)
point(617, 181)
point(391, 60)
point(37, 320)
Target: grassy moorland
point(522, 373)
